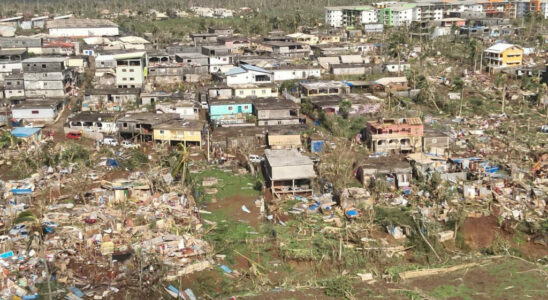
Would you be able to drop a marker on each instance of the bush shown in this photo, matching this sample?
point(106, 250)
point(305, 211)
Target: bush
point(135, 160)
point(339, 287)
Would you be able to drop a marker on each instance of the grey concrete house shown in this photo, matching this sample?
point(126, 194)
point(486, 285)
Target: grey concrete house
point(275, 111)
point(204, 38)
point(47, 76)
point(165, 74)
point(435, 142)
point(14, 86)
point(20, 42)
point(289, 172)
point(10, 61)
point(397, 172)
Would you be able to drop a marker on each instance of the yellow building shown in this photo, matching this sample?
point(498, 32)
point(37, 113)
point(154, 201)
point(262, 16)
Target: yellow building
point(255, 91)
point(503, 55)
point(304, 38)
point(179, 131)
point(329, 39)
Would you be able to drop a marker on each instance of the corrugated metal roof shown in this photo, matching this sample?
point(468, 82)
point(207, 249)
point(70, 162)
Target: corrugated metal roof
point(500, 47)
point(413, 121)
point(24, 132)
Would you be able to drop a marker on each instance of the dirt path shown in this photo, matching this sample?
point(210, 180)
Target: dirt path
point(232, 207)
point(57, 127)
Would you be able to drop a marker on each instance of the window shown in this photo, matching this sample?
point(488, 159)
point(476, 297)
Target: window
point(246, 106)
point(43, 66)
point(124, 70)
point(35, 112)
point(434, 141)
point(253, 92)
point(263, 91)
point(131, 70)
point(124, 124)
point(230, 108)
point(45, 84)
point(241, 92)
point(131, 79)
point(161, 132)
point(124, 79)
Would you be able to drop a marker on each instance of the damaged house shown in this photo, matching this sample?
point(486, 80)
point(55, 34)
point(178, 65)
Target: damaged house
point(396, 171)
point(92, 122)
point(140, 125)
point(113, 99)
point(289, 173)
point(402, 135)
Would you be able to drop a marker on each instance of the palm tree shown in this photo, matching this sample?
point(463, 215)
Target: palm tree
point(500, 80)
point(459, 86)
point(35, 229)
point(181, 164)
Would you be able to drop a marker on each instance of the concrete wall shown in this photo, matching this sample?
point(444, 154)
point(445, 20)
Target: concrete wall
point(68, 32)
point(46, 114)
point(130, 76)
point(180, 135)
point(263, 92)
point(355, 70)
point(46, 93)
point(273, 114)
point(278, 122)
point(14, 93)
point(43, 66)
point(296, 74)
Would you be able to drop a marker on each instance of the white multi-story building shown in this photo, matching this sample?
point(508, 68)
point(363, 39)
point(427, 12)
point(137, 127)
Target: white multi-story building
point(130, 69)
point(402, 16)
point(369, 16)
point(334, 16)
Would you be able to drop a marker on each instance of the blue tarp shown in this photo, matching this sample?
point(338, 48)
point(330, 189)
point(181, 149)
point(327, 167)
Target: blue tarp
point(111, 162)
point(226, 269)
point(316, 146)
point(76, 292)
point(21, 191)
point(352, 213)
point(174, 290)
point(24, 132)
point(6, 254)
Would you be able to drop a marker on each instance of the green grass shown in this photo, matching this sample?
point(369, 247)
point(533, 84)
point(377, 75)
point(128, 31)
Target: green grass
point(446, 291)
point(229, 184)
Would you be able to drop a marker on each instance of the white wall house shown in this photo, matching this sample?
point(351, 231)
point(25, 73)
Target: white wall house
point(34, 111)
point(402, 16)
point(130, 69)
point(296, 73)
point(396, 67)
point(369, 16)
point(82, 28)
point(248, 74)
point(334, 16)
point(14, 93)
point(187, 111)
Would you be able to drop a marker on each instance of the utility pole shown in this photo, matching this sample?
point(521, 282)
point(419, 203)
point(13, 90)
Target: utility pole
point(208, 147)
